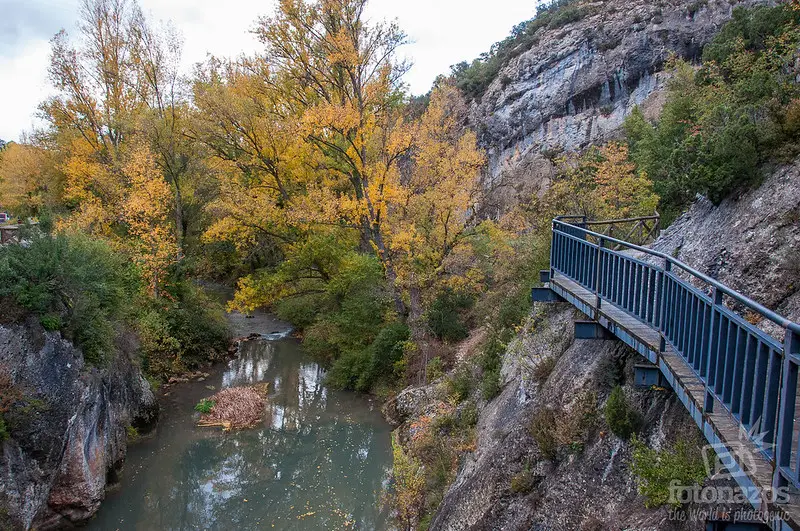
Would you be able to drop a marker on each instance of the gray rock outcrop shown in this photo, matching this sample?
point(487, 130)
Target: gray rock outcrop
point(68, 438)
point(576, 86)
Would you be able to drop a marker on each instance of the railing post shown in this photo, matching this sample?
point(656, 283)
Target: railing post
point(708, 401)
point(597, 279)
point(552, 248)
point(785, 428)
point(662, 346)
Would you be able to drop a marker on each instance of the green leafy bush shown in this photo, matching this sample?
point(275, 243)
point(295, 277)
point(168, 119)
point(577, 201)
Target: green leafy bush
point(435, 369)
point(204, 406)
point(622, 419)
point(445, 316)
point(460, 384)
point(182, 331)
point(655, 470)
point(72, 282)
point(4, 433)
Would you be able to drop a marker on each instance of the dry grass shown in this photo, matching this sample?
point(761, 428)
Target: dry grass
point(236, 407)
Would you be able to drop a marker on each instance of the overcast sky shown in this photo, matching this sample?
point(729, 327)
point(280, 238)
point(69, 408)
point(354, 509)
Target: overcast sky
point(443, 32)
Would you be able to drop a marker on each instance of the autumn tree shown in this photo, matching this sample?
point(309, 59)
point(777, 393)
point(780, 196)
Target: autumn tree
point(30, 180)
point(343, 77)
point(146, 210)
point(433, 209)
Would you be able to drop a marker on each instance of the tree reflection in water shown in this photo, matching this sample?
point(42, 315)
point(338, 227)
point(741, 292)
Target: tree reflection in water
point(320, 460)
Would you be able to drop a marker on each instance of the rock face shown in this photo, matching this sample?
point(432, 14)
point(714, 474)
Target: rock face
point(751, 243)
point(69, 439)
point(577, 85)
point(590, 489)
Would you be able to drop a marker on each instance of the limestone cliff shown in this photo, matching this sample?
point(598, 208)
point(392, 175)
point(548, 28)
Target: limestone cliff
point(68, 431)
point(578, 83)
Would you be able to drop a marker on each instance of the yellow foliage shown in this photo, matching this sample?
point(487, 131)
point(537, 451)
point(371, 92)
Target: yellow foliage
point(146, 210)
point(29, 179)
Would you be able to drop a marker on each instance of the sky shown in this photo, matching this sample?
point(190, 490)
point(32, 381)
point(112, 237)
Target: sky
point(442, 33)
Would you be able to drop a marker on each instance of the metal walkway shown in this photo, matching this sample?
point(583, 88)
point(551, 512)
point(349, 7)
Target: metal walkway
point(739, 384)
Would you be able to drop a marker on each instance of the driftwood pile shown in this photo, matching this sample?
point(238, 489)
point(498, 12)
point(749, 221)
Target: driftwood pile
point(236, 407)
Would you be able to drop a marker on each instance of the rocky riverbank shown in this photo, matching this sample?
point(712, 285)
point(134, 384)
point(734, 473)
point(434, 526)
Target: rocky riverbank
point(68, 428)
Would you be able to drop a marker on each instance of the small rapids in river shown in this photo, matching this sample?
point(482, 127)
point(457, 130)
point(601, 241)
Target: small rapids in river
point(320, 460)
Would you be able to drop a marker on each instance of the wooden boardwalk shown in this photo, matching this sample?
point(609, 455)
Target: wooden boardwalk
point(718, 425)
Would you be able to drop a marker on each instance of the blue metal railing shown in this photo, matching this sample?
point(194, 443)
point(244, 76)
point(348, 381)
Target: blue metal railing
point(753, 375)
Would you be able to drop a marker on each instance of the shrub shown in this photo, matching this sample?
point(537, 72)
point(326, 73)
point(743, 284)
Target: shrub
point(574, 428)
point(347, 371)
point(655, 470)
point(409, 485)
point(544, 369)
point(4, 433)
point(491, 384)
point(459, 385)
point(523, 482)
point(445, 316)
point(385, 352)
point(204, 406)
point(51, 322)
point(543, 430)
point(132, 433)
point(182, 331)
point(621, 418)
point(79, 280)
point(435, 369)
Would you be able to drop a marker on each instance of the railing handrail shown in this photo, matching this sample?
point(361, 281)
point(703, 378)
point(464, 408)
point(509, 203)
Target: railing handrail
point(781, 321)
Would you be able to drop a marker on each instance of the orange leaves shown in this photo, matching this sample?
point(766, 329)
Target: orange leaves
point(624, 192)
point(146, 210)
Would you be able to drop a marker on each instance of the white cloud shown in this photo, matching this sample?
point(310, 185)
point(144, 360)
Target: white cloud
point(443, 32)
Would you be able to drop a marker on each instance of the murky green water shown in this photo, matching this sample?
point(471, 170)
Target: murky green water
point(320, 460)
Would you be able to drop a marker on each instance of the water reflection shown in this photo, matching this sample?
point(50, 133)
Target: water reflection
point(319, 461)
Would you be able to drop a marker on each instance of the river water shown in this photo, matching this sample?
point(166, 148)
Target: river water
point(320, 460)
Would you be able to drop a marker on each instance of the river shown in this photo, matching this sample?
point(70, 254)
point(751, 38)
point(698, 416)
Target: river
point(320, 460)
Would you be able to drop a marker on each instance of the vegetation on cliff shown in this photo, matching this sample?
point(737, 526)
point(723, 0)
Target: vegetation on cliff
point(472, 79)
point(724, 120)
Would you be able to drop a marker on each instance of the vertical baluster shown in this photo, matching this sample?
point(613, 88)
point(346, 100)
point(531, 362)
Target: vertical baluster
point(783, 449)
point(697, 331)
point(713, 338)
point(640, 296)
point(704, 344)
point(598, 279)
point(730, 361)
point(747, 381)
point(680, 339)
point(760, 384)
point(771, 396)
point(722, 347)
point(658, 318)
point(653, 302)
point(738, 371)
point(691, 328)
